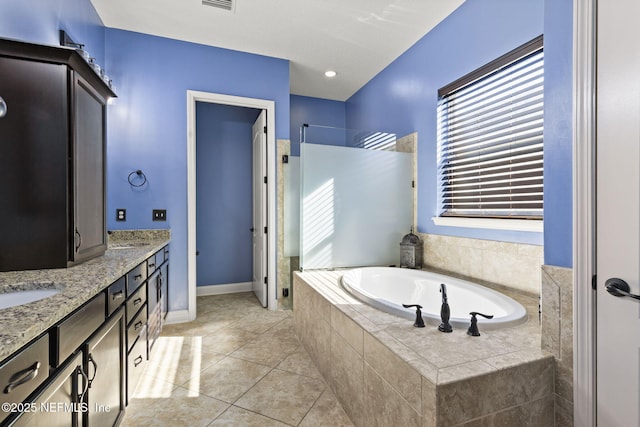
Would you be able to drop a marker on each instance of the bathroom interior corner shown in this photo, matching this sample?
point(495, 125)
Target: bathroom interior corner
point(349, 180)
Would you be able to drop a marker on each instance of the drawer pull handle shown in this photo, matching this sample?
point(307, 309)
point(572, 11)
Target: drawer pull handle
point(78, 239)
point(152, 265)
point(80, 371)
point(117, 295)
point(138, 325)
point(137, 301)
point(22, 377)
point(137, 361)
point(137, 277)
point(95, 370)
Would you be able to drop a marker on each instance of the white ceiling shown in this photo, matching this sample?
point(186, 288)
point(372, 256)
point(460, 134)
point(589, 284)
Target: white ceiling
point(356, 38)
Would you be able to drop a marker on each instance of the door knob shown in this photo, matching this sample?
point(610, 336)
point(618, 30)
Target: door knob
point(252, 229)
point(619, 288)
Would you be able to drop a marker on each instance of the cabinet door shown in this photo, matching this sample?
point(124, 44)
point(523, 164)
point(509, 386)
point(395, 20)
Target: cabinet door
point(58, 404)
point(104, 365)
point(89, 164)
point(33, 164)
point(154, 321)
point(164, 294)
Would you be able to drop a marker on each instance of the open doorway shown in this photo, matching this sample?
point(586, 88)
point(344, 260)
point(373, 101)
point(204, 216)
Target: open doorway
point(266, 195)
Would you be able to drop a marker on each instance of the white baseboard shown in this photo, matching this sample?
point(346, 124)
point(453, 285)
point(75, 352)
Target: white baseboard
point(230, 288)
point(178, 316)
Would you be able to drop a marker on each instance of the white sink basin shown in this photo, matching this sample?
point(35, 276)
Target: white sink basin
point(24, 296)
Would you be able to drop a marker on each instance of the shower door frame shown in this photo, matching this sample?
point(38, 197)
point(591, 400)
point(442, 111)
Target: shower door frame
point(238, 101)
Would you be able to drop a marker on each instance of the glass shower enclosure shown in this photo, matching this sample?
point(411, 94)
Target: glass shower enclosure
point(356, 199)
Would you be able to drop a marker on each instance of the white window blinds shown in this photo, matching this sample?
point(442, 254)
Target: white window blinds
point(490, 139)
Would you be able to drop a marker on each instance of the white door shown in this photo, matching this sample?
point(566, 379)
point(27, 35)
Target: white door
point(618, 212)
point(260, 208)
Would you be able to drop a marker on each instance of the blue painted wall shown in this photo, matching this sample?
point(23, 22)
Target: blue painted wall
point(403, 97)
point(319, 112)
point(40, 21)
point(224, 208)
point(558, 133)
point(148, 125)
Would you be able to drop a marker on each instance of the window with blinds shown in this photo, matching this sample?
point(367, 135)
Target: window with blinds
point(490, 145)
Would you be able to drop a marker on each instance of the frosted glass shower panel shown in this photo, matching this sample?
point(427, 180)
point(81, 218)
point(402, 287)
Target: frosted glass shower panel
point(356, 205)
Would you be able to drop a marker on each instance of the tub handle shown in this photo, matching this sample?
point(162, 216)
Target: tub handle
point(473, 328)
point(419, 323)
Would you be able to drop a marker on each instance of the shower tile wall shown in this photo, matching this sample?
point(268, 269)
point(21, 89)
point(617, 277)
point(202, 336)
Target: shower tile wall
point(284, 263)
point(514, 265)
point(557, 335)
point(409, 144)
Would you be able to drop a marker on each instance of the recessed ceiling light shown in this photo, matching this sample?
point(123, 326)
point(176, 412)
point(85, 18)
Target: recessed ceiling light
point(330, 73)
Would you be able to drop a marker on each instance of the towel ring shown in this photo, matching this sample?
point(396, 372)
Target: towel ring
point(140, 175)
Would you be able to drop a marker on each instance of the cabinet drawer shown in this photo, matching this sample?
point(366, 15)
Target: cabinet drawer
point(136, 277)
point(23, 372)
point(137, 328)
point(154, 261)
point(69, 335)
point(62, 388)
point(115, 295)
point(136, 362)
point(136, 301)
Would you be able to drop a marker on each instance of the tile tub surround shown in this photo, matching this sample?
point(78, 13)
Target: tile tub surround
point(557, 335)
point(386, 372)
point(513, 265)
point(80, 283)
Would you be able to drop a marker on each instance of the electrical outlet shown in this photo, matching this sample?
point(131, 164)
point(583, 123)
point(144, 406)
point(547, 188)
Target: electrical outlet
point(121, 214)
point(159, 214)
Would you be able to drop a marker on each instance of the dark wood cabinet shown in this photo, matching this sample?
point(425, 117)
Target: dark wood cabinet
point(22, 373)
point(52, 157)
point(158, 294)
point(58, 404)
point(104, 364)
point(164, 289)
point(86, 367)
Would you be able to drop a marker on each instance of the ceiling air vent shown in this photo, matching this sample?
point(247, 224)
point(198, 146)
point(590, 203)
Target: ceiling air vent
point(220, 4)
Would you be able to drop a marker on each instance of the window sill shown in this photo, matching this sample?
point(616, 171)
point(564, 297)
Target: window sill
point(535, 226)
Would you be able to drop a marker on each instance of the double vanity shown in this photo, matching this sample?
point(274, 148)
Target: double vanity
point(74, 356)
point(79, 312)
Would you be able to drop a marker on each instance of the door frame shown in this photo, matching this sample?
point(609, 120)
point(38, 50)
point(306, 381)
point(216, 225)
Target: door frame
point(584, 220)
point(238, 101)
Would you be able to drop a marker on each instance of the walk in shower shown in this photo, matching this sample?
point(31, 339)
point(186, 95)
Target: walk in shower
point(348, 198)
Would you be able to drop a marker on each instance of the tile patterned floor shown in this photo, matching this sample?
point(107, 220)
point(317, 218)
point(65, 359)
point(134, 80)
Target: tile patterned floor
point(236, 365)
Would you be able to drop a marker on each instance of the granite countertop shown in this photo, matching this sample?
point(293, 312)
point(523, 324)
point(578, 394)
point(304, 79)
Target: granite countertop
point(77, 285)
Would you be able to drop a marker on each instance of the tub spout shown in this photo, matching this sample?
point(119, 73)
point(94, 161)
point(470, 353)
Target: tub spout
point(445, 312)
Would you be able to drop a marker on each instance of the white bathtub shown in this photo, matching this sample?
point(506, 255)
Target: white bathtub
point(387, 288)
